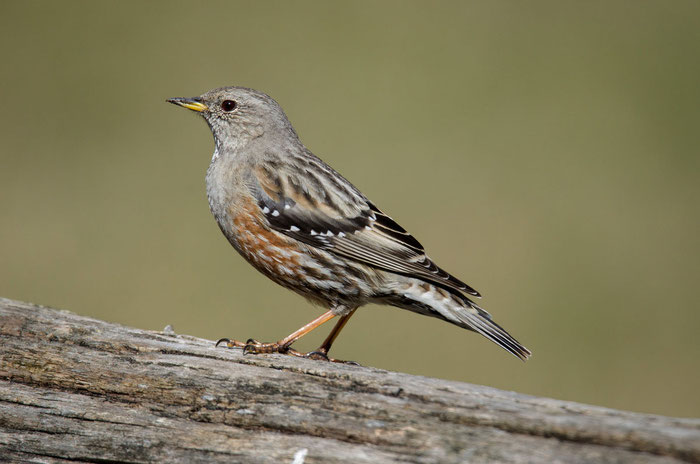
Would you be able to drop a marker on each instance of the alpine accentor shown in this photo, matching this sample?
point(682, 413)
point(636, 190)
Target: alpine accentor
point(303, 225)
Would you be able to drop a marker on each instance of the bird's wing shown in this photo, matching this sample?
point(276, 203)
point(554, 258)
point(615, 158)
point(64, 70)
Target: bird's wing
point(322, 209)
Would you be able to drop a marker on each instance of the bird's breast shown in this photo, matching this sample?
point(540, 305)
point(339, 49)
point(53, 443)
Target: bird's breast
point(225, 187)
point(275, 255)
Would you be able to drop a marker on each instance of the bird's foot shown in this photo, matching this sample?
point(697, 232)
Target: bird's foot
point(252, 346)
point(229, 343)
point(322, 355)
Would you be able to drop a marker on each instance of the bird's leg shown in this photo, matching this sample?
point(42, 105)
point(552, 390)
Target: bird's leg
point(322, 351)
point(282, 346)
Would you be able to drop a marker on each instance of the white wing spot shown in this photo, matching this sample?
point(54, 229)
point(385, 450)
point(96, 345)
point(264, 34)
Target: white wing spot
point(266, 210)
point(368, 228)
point(287, 206)
point(341, 234)
point(329, 233)
point(294, 229)
point(313, 232)
point(275, 213)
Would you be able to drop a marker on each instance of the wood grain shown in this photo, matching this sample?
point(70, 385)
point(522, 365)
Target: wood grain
point(75, 389)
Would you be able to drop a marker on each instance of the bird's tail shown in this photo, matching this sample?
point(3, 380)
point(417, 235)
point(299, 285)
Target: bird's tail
point(428, 299)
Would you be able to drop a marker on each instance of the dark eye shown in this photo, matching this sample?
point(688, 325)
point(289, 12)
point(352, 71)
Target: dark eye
point(228, 105)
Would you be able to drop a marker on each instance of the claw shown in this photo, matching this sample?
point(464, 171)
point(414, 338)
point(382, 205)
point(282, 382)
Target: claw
point(352, 363)
point(229, 343)
point(322, 355)
point(250, 346)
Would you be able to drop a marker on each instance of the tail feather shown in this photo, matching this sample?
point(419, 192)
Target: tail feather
point(458, 309)
point(494, 332)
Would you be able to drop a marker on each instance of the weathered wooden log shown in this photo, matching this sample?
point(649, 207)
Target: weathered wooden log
point(79, 389)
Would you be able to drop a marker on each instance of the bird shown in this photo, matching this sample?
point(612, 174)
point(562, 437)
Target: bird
point(306, 227)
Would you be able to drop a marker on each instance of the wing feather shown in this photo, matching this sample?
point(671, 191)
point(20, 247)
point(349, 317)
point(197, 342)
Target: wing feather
point(359, 231)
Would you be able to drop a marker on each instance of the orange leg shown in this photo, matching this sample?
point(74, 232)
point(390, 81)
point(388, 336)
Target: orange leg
point(282, 346)
point(326, 345)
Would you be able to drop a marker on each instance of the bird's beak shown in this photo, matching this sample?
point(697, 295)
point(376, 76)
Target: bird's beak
point(194, 104)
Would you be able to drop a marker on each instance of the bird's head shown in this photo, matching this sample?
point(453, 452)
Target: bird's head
point(237, 115)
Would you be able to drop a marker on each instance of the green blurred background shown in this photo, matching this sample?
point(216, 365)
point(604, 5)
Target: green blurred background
point(545, 152)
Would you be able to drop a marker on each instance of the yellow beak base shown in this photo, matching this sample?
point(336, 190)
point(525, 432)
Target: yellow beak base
point(189, 103)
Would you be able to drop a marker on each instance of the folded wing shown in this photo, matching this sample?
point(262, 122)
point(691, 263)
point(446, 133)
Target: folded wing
point(327, 212)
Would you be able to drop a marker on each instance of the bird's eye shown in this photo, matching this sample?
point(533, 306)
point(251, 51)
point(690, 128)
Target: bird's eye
point(228, 105)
